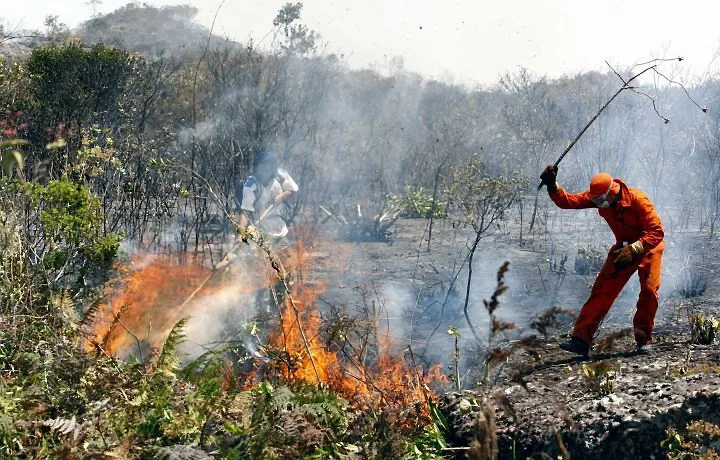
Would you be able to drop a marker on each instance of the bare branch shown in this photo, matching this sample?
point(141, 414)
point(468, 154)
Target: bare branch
point(637, 91)
point(616, 73)
point(658, 61)
point(704, 109)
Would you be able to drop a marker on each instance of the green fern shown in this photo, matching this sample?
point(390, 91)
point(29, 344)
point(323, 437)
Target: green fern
point(329, 410)
point(89, 316)
point(169, 359)
point(289, 421)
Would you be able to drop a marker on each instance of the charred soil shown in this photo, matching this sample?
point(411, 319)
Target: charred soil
point(545, 401)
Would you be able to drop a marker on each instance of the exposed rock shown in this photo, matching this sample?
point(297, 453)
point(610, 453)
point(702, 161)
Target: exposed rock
point(676, 384)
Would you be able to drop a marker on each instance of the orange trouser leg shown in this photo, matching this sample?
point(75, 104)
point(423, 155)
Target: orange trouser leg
point(608, 285)
point(647, 305)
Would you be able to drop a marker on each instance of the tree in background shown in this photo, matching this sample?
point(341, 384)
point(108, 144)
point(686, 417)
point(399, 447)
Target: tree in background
point(483, 200)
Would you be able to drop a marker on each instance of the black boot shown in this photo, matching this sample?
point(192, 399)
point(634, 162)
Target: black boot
point(644, 348)
point(577, 346)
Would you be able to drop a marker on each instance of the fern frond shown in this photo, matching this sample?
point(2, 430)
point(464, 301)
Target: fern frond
point(169, 359)
point(89, 315)
point(326, 414)
point(64, 427)
point(63, 304)
point(208, 364)
point(282, 399)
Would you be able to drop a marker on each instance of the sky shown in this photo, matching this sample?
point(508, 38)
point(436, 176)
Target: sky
point(470, 42)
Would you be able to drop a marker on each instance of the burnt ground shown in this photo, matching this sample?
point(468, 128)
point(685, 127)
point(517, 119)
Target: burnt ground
point(405, 286)
point(409, 292)
point(671, 387)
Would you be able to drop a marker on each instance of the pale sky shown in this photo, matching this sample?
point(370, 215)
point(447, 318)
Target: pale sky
point(468, 41)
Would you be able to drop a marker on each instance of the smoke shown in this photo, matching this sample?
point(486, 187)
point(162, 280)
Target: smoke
point(202, 132)
point(353, 136)
point(227, 313)
point(419, 312)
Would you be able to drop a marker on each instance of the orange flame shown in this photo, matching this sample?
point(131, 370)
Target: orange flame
point(142, 304)
point(150, 300)
point(389, 379)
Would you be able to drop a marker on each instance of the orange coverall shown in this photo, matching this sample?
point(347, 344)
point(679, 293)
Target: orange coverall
point(631, 218)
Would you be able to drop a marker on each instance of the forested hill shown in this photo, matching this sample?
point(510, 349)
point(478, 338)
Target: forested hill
point(151, 31)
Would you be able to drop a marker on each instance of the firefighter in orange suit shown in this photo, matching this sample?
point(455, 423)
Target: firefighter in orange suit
point(639, 247)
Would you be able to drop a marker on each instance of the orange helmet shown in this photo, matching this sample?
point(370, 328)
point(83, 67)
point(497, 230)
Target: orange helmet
point(602, 185)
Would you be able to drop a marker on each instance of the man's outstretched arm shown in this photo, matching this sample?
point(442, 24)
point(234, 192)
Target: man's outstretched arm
point(559, 196)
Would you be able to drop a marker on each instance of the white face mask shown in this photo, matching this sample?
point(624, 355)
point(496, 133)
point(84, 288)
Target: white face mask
point(604, 204)
point(601, 201)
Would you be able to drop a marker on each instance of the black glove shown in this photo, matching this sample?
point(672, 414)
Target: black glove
point(549, 178)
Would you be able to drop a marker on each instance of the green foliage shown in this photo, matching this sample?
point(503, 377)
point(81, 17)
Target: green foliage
point(169, 361)
point(430, 443)
point(703, 329)
point(12, 277)
point(482, 197)
point(302, 421)
point(298, 38)
point(415, 203)
point(72, 83)
point(15, 83)
point(699, 440)
point(72, 225)
point(600, 377)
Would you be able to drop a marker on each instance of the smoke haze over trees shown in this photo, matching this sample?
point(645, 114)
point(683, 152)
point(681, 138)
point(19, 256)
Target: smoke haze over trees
point(131, 134)
point(221, 102)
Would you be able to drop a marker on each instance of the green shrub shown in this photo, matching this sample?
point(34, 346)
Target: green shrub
point(703, 329)
point(415, 203)
point(72, 226)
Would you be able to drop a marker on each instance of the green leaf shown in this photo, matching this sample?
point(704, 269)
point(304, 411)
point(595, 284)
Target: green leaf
point(13, 142)
point(57, 144)
point(12, 160)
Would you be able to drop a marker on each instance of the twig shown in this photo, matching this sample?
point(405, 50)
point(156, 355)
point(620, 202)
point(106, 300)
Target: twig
point(616, 73)
point(469, 285)
point(637, 91)
point(658, 60)
point(704, 109)
point(137, 340)
point(625, 86)
point(197, 67)
point(444, 303)
point(641, 93)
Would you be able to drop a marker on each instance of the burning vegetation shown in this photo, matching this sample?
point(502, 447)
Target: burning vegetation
point(161, 298)
point(148, 305)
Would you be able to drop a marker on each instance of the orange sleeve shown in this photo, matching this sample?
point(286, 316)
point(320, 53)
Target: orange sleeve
point(652, 230)
point(567, 200)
